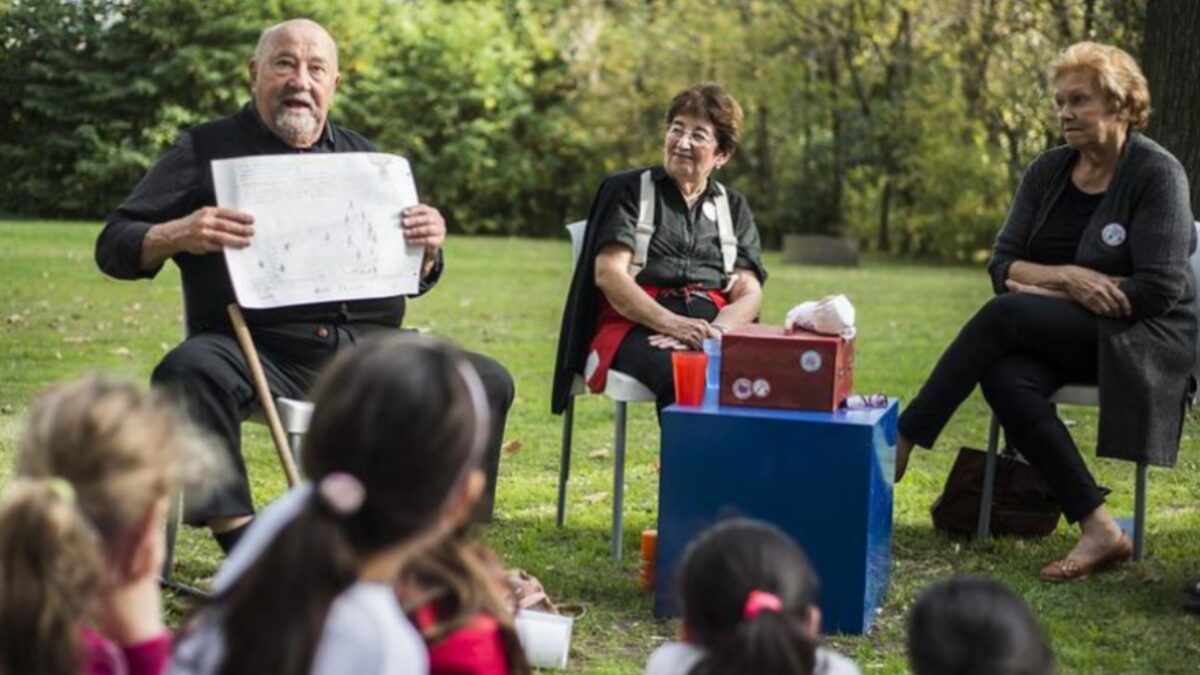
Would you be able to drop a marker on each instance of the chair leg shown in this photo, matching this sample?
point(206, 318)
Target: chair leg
point(1139, 514)
point(295, 440)
point(618, 479)
point(564, 463)
point(989, 480)
point(173, 509)
point(167, 580)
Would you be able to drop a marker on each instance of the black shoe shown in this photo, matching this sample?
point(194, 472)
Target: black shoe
point(228, 539)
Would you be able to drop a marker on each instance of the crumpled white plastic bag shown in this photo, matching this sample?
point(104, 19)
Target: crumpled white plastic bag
point(831, 315)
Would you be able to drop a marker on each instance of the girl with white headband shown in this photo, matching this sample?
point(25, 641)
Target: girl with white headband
point(749, 606)
point(393, 454)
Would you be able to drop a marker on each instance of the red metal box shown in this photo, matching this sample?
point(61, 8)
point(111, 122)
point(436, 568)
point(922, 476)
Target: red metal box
point(768, 367)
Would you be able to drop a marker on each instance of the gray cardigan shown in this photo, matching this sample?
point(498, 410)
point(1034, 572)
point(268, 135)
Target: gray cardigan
point(1145, 361)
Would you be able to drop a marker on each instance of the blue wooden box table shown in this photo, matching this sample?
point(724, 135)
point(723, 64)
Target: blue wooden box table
point(824, 478)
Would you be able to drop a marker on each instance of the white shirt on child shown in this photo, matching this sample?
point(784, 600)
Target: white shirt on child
point(366, 630)
point(678, 658)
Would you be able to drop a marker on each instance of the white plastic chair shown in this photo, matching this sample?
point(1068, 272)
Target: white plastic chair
point(1081, 395)
point(622, 389)
point(294, 417)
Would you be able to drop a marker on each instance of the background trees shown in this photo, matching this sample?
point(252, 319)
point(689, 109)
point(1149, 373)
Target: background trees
point(1171, 26)
point(904, 123)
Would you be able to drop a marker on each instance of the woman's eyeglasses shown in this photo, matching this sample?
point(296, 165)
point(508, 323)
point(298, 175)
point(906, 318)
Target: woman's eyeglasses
point(865, 401)
point(699, 137)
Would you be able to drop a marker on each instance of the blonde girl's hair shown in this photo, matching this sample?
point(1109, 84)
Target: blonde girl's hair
point(50, 568)
point(94, 457)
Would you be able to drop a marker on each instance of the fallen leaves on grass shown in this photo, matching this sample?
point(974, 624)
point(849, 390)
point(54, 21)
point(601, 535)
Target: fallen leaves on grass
point(595, 497)
point(511, 447)
point(15, 319)
point(1149, 575)
point(121, 351)
point(601, 453)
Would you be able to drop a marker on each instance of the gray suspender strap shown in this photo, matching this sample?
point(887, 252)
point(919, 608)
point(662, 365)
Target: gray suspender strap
point(725, 228)
point(645, 225)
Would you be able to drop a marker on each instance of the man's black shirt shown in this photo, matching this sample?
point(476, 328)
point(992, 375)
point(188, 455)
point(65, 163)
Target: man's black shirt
point(181, 182)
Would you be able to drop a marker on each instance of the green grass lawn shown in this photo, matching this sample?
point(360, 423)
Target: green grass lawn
point(60, 317)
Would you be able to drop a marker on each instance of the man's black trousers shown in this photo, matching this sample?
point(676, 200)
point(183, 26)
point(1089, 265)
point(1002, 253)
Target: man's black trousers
point(209, 373)
point(1019, 348)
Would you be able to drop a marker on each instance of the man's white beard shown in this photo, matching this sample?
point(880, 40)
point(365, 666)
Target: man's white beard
point(296, 126)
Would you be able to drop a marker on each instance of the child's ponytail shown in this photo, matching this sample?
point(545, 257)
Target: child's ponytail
point(51, 565)
point(749, 600)
point(766, 640)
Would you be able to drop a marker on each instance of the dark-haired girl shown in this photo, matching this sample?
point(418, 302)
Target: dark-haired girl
point(393, 454)
point(972, 626)
point(749, 606)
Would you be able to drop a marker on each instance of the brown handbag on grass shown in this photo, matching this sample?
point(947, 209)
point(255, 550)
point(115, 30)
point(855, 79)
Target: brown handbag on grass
point(1021, 502)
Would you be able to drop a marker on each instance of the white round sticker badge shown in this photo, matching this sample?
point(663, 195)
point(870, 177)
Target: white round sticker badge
point(810, 361)
point(742, 389)
point(762, 388)
point(710, 210)
point(1113, 234)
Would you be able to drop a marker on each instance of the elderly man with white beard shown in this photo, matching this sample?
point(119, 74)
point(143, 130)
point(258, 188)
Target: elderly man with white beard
point(172, 213)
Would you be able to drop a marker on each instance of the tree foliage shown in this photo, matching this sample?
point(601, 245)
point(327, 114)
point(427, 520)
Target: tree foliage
point(904, 123)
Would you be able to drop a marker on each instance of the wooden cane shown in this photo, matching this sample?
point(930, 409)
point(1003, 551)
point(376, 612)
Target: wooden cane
point(282, 447)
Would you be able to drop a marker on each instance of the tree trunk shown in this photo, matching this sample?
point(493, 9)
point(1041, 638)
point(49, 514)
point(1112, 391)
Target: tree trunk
point(763, 169)
point(884, 243)
point(1169, 49)
point(834, 224)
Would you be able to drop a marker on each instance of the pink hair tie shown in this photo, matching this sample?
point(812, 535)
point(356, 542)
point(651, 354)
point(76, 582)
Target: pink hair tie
point(757, 601)
point(342, 492)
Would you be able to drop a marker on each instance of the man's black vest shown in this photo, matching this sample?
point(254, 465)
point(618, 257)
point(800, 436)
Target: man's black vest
point(206, 285)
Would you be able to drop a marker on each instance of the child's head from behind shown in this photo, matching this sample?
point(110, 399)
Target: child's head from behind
point(122, 449)
point(974, 626)
point(96, 462)
point(749, 598)
point(406, 417)
point(393, 452)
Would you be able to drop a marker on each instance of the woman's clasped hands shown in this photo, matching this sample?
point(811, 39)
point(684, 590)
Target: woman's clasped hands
point(682, 332)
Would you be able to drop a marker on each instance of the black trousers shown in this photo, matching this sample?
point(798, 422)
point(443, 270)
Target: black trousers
point(1019, 348)
point(651, 365)
point(208, 373)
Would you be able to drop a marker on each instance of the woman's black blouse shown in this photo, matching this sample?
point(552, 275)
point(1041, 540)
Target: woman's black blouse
point(1056, 242)
point(686, 247)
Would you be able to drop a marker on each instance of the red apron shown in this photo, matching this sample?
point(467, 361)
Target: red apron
point(612, 327)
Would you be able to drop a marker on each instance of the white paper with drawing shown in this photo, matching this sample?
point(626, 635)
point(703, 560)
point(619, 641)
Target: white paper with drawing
point(326, 227)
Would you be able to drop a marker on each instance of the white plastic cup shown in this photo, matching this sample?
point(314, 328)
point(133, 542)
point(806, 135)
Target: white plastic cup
point(546, 638)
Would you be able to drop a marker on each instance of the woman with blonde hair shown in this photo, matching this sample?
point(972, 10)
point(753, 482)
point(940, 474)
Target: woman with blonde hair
point(1093, 286)
point(81, 531)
